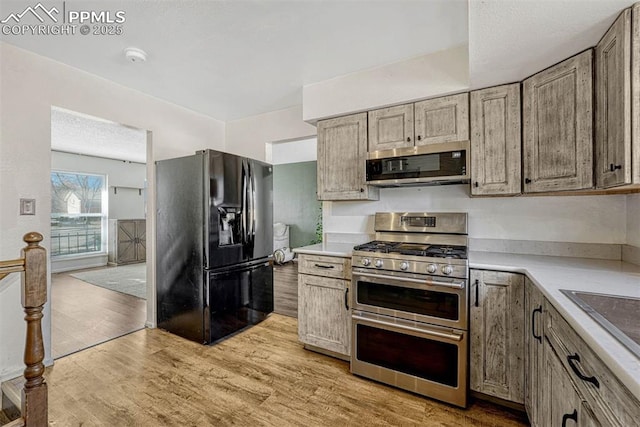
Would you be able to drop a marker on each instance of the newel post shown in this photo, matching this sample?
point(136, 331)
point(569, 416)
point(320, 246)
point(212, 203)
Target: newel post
point(34, 296)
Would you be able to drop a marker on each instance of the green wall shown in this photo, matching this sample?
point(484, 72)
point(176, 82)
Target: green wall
point(295, 201)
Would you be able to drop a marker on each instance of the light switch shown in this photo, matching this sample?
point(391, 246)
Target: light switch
point(27, 206)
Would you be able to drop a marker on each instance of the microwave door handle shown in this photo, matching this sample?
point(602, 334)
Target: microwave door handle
point(455, 285)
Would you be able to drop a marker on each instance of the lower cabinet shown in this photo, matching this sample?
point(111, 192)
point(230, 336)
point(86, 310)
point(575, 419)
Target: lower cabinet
point(324, 320)
point(497, 334)
point(127, 241)
point(534, 352)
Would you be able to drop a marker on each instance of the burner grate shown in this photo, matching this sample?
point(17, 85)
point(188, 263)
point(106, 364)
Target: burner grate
point(414, 249)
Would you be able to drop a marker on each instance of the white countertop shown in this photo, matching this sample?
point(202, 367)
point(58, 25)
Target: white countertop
point(327, 249)
point(551, 274)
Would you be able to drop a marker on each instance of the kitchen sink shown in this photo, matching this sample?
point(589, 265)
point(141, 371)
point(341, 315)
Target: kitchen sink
point(617, 314)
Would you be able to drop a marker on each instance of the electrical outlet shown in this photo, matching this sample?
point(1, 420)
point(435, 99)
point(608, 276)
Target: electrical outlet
point(27, 206)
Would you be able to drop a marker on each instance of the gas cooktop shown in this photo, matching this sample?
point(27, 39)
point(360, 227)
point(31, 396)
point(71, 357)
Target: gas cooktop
point(414, 249)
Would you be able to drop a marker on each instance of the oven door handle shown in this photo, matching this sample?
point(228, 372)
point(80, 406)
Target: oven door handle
point(458, 285)
point(448, 336)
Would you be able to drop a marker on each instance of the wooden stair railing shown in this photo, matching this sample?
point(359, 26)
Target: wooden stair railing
point(33, 264)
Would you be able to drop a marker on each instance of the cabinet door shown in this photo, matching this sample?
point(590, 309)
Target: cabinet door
point(534, 351)
point(497, 334)
point(126, 235)
point(141, 240)
point(391, 128)
point(442, 119)
point(558, 126)
point(323, 313)
point(342, 151)
point(613, 104)
point(495, 140)
point(563, 405)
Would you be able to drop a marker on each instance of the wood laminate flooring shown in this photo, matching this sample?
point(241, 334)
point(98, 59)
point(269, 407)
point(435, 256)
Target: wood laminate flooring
point(285, 289)
point(260, 377)
point(83, 315)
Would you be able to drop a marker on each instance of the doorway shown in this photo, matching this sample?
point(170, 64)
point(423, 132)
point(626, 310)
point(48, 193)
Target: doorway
point(98, 231)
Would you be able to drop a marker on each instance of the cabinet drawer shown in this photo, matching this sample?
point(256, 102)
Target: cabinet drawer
point(609, 399)
point(326, 266)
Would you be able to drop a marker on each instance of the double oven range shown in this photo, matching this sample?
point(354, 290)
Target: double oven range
point(410, 315)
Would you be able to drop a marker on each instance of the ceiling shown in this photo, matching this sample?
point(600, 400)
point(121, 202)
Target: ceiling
point(77, 133)
point(233, 59)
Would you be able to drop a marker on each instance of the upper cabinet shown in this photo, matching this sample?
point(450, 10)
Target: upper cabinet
point(442, 119)
point(613, 104)
point(391, 128)
point(342, 151)
point(558, 126)
point(495, 141)
point(635, 94)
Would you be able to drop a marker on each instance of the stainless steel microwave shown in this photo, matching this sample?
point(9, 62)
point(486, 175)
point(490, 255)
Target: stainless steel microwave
point(441, 163)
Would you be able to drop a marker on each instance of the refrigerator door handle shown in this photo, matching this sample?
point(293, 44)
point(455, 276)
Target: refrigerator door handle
point(243, 207)
point(252, 180)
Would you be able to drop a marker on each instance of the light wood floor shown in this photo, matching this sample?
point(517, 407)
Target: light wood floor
point(260, 377)
point(285, 289)
point(83, 315)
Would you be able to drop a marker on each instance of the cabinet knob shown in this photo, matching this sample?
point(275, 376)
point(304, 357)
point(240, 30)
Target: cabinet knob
point(527, 181)
point(613, 167)
point(362, 190)
point(419, 138)
point(408, 139)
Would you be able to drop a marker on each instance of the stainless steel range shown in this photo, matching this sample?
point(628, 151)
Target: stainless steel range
point(410, 313)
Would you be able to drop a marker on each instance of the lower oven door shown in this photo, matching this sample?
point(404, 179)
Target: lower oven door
point(434, 300)
point(428, 360)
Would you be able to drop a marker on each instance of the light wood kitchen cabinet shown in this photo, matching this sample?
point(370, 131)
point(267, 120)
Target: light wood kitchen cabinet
point(497, 334)
point(342, 151)
point(613, 104)
point(534, 352)
point(495, 141)
point(127, 241)
point(562, 405)
point(324, 321)
point(391, 128)
point(442, 119)
point(635, 93)
point(558, 126)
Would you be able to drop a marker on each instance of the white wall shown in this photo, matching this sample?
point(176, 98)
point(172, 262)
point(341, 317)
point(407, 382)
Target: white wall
point(248, 136)
point(280, 153)
point(633, 220)
point(582, 219)
point(30, 84)
point(426, 76)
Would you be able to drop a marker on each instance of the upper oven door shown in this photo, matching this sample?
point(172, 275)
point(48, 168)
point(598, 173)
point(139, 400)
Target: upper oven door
point(436, 300)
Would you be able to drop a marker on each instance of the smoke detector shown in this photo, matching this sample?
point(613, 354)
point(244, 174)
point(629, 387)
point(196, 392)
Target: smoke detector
point(133, 54)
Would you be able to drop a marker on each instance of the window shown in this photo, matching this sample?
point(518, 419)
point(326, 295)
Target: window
point(78, 213)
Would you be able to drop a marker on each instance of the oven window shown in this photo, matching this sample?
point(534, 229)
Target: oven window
point(420, 301)
point(432, 360)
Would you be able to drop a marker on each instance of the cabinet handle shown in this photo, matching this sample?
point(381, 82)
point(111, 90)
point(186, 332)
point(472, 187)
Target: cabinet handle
point(419, 138)
point(346, 298)
point(527, 181)
point(572, 416)
point(533, 322)
point(475, 184)
point(613, 167)
point(325, 266)
point(576, 358)
point(477, 294)
point(408, 139)
point(362, 190)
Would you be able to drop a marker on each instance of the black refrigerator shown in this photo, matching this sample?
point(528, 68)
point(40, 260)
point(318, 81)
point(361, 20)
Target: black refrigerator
point(214, 240)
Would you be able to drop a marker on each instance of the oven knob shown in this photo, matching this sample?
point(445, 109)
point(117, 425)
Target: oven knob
point(366, 261)
point(378, 263)
point(432, 268)
point(404, 265)
point(447, 269)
